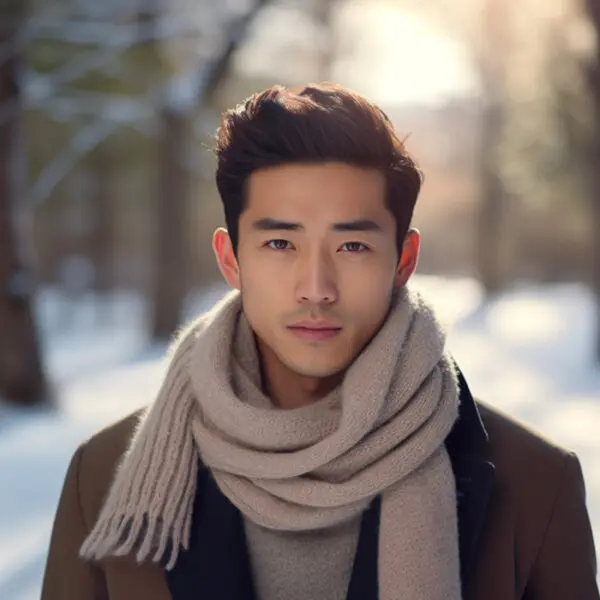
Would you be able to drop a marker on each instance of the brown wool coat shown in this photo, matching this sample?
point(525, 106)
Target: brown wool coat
point(536, 542)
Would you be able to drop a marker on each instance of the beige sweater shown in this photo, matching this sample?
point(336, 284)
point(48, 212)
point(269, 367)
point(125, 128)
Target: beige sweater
point(303, 565)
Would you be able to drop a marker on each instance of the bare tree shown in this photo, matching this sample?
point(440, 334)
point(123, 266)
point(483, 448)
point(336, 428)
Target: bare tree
point(172, 236)
point(166, 109)
point(172, 250)
point(102, 233)
point(492, 226)
point(485, 27)
point(22, 379)
point(593, 10)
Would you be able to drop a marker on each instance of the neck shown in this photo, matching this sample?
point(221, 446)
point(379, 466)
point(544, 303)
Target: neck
point(288, 389)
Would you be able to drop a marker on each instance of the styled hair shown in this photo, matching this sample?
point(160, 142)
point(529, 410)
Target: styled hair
point(317, 123)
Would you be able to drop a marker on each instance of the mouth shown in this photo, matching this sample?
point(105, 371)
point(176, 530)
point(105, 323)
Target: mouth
point(318, 332)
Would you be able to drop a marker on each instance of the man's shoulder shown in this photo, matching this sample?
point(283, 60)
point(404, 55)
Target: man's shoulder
point(538, 505)
point(523, 457)
point(507, 433)
point(100, 456)
point(112, 441)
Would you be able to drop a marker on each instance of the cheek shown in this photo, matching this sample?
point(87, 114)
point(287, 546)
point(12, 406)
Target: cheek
point(262, 296)
point(266, 279)
point(374, 312)
point(368, 299)
point(371, 284)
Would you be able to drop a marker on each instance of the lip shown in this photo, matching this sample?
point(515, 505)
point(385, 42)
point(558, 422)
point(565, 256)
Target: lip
point(315, 331)
point(308, 324)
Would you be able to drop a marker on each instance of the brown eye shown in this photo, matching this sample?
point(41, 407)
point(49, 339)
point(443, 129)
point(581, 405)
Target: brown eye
point(278, 244)
point(354, 247)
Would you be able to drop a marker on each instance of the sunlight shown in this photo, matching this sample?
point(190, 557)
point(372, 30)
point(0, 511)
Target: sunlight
point(403, 57)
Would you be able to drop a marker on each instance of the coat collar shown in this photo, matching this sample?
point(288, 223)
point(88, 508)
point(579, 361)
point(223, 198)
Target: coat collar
point(474, 476)
point(469, 435)
point(217, 564)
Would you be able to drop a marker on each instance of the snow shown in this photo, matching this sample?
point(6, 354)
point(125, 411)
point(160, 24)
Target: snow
point(529, 352)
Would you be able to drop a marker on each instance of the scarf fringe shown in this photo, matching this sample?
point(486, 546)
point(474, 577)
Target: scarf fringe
point(118, 534)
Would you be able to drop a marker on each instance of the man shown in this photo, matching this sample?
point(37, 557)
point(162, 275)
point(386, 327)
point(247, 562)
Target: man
point(313, 438)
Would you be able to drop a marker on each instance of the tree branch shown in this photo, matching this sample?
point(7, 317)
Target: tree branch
point(192, 89)
point(126, 38)
point(210, 78)
point(83, 142)
point(204, 83)
point(111, 108)
point(116, 35)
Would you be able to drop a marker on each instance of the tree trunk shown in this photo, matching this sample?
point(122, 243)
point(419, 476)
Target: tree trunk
point(593, 10)
point(22, 379)
point(595, 200)
point(492, 227)
point(491, 217)
point(173, 244)
point(596, 250)
point(102, 236)
point(172, 241)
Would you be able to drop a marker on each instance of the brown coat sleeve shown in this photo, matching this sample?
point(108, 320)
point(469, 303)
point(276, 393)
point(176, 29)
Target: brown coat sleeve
point(566, 564)
point(68, 577)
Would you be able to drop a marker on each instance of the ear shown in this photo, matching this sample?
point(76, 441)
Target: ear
point(409, 258)
point(228, 264)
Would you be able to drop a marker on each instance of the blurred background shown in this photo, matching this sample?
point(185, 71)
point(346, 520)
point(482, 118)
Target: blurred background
point(108, 203)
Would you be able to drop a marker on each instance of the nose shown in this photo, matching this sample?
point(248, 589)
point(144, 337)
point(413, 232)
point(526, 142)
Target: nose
point(316, 281)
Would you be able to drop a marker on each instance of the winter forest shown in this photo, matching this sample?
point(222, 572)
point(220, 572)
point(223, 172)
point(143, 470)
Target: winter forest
point(108, 203)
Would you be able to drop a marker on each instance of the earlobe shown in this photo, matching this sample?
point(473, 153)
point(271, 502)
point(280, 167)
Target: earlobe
point(226, 260)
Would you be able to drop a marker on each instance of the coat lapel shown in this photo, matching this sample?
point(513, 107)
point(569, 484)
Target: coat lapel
point(364, 584)
point(474, 482)
point(474, 477)
point(217, 564)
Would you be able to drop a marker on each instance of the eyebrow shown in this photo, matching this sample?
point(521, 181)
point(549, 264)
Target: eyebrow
point(358, 225)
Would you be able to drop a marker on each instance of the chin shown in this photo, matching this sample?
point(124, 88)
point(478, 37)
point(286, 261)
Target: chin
point(318, 371)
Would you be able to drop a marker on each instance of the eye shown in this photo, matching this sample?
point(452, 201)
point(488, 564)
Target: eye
point(278, 244)
point(354, 247)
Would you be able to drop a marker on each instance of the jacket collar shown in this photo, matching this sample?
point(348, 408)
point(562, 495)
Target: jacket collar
point(469, 435)
point(474, 475)
point(217, 563)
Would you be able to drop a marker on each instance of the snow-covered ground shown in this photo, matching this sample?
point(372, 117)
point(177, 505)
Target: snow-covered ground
point(529, 353)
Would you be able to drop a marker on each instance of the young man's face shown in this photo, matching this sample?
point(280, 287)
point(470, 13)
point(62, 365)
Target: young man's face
point(317, 263)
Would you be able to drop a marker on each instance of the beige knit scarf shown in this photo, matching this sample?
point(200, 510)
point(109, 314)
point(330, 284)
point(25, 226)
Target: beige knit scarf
point(382, 432)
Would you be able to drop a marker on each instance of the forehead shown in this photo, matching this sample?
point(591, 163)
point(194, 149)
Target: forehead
point(325, 191)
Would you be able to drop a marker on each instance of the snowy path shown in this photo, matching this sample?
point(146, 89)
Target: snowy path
point(529, 353)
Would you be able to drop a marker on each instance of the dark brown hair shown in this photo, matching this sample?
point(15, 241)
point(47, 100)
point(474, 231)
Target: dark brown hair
point(312, 124)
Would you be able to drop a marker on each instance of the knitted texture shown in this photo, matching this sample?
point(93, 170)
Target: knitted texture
point(302, 565)
point(382, 431)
